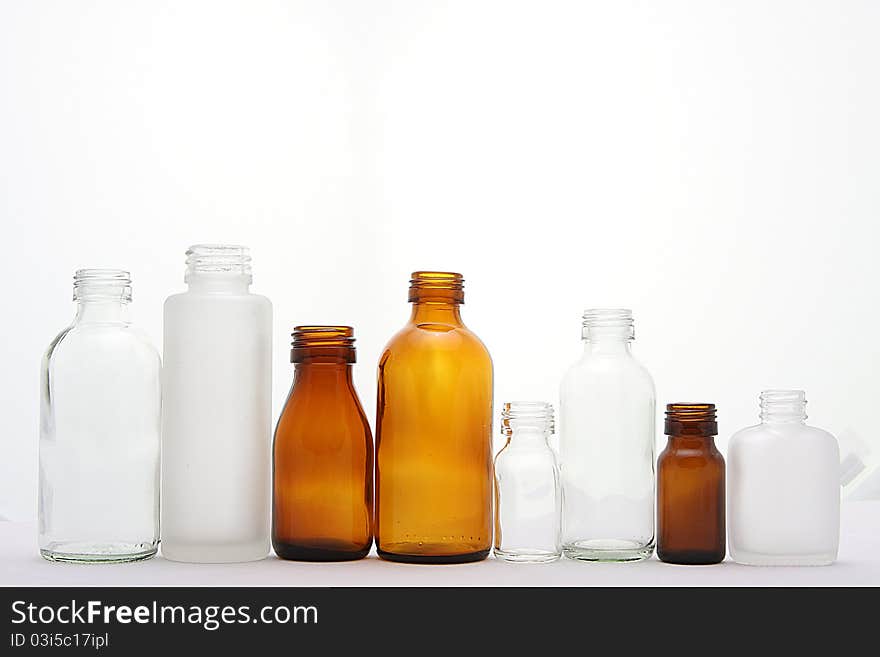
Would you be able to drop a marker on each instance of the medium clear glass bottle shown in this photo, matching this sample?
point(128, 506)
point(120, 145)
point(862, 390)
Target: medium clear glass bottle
point(690, 488)
point(434, 432)
point(607, 446)
point(99, 430)
point(323, 454)
point(217, 412)
point(528, 493)
point(783, 495)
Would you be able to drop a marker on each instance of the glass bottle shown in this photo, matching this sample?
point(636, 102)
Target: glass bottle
point(323, 454)
point(434, 432)
point(690, 488)
point(783, 492)
point(607, 446)
point(100, 405)
point(528, 493)
point(217, 412)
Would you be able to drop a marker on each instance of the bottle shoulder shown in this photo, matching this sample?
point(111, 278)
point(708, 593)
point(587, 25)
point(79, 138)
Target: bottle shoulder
point(590, 368)
point(795, 435)
point(415, 337)
point(80, 341)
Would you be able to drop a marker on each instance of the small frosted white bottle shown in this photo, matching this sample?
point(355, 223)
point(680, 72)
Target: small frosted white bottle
point(783, 496)
point(217, 412)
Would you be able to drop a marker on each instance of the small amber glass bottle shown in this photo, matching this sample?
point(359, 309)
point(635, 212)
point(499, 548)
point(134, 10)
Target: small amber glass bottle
point(690, 488)
point(323, 454)
point(434, 433)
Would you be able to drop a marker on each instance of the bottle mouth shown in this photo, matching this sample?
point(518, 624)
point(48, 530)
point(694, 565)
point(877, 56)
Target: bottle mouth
point(782, 405)
point(106, 284)
point(691, 419)
point(538, 415)
point(608, 322)
point(441, 286)
point(317, 343)
point(218, 259)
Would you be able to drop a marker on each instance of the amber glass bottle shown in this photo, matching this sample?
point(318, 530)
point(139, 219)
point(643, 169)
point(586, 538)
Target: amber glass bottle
point(323, 454)
point(690, 488)
point(434, 433)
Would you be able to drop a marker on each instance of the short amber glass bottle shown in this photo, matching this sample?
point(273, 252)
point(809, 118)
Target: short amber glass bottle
point(690, 488)
point(323, 454)
point(434, 433)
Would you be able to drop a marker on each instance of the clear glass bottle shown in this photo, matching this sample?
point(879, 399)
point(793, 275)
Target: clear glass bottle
point(783, 495)
point(528, 493)
point(216, 435)
point(434, 432)
point(99, 430)
point(607, 446)
point(690, 488)
point(323, 454)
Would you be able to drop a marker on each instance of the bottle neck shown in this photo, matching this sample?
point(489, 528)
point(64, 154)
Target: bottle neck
point(608, 345)
point(436, 312)
point(691, 442)
point(325, 374)
point(101, 311)
point(783, 407)
point(529, 437)
point(608, 331)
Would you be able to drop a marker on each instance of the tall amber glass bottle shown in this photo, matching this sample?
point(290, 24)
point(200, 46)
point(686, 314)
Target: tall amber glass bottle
point(323, 454)
point(690, 488)
point(434, 433)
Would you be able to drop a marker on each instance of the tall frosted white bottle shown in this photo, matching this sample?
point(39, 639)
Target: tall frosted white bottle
point(783, 488)
point(216, 412)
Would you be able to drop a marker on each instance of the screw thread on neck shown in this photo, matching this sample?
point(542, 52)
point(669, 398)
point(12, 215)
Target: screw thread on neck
point(783, 406)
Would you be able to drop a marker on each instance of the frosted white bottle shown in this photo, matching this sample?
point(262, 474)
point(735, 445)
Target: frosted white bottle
point(606, 446)
point(217, 412)
point(783, 488)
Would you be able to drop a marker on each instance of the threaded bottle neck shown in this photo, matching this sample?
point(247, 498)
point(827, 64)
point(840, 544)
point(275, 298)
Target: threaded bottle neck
point(527, 417)
point(691, 419)
point(783, 406)
point(323, 344)
point(102, 285)
point(438, 287)
point(218, 263)
point(608, 325)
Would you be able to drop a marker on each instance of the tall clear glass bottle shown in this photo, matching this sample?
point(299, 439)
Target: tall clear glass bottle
point(434, 432)
point(100, 404)
point(217, 412)
point(607, 445)
point(323, 454)
point(528, 493)
point(783, 487)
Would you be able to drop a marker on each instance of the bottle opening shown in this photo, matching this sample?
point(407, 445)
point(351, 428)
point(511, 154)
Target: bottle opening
point(616, 323)
point(783, 405)
point(538, 415)
point(436, 286)
point(218, 259)
point(105, 284)
point(322, 344)
point(691, 419)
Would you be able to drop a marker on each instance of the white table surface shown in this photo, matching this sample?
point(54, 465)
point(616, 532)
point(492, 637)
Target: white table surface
point(858, 564)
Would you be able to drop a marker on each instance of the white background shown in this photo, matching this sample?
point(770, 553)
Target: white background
point(712, 165)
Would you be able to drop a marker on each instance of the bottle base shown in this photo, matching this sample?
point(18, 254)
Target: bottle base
point(691, 557)
point(215, 553)
point(403, 557)
point(329, 551)
point(98, 552)
point(526, 556)
point(758, 559)
point(607, 550)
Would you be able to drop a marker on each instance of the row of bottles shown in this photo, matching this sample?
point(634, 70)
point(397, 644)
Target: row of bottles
point(104, 415)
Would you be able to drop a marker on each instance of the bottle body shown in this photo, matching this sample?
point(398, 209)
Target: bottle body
point(433, 434)
point(99, 432)
point(216, 420)
point(607, 446)
point(528, 493)
point(783, 488)
point(323, 455)
point(691, 488)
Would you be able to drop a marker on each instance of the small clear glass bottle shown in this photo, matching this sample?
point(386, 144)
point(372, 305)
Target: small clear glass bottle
point(528, 493)
point(606, 446)
point(783, 488)
point(100, 406)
